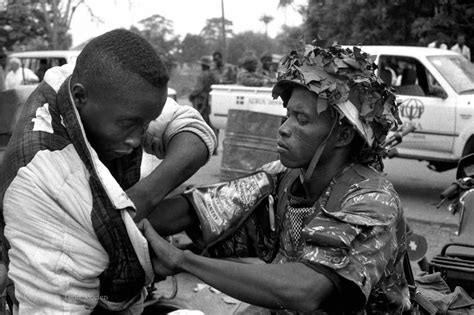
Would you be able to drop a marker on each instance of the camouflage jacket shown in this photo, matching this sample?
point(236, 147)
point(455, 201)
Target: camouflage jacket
point(247, 78)
point(226, 74)
point(356, 229)
point(199, 96)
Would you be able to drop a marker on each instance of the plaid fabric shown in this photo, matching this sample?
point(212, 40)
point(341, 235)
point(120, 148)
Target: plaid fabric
point(124, 278)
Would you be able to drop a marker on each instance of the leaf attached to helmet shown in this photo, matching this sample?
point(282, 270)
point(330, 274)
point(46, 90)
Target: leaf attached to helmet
point(343, 79)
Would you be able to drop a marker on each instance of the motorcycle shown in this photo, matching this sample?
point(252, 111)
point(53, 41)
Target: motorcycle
point(456, 259)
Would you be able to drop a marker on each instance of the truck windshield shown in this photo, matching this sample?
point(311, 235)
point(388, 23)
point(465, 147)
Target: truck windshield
point(457, 71)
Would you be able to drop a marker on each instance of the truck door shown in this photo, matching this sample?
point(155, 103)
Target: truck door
point(424, 104)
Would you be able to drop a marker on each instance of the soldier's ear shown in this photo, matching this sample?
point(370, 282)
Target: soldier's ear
point(345, 135)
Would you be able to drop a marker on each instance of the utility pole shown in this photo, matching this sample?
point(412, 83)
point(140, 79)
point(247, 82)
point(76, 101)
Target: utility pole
point(223, 28)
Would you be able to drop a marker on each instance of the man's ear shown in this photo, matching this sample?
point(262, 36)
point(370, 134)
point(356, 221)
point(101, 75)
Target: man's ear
point(345, 136)
point(79, 95)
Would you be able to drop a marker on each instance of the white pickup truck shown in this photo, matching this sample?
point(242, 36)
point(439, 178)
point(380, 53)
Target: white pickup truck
point(436, 88)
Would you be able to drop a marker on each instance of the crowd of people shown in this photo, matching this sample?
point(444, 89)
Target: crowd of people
point(460, 46)
point(215, 71)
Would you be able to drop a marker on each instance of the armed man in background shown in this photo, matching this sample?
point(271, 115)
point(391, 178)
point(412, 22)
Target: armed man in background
point(248, 75)
point(199, 96)
point(225, 72)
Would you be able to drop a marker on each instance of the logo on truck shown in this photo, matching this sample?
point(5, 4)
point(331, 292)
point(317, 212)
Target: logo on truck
point(239, 100)
point(412, 108)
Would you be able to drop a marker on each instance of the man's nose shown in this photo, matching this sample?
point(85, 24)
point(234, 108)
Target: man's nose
point(135, 138)
point(284, 130)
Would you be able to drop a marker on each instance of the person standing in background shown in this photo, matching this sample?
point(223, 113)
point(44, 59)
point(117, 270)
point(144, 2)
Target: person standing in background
point(266, 69)
point(18, 75)
point(438, 42)
point(3, 61)
point(225, 72)
point(199, 97)
point(461, 48)
point(248, 75)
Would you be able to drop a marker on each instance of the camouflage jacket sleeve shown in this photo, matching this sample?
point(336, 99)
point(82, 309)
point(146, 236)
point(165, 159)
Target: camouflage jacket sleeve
point(362, 241)
point(235, 216)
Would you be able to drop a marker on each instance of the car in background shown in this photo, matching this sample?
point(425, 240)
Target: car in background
point(435, 88)
point(40, 61)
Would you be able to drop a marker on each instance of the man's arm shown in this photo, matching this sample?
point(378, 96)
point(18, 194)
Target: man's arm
point(293, 286)
point(186, 153)
point(174, 215)
point(184, 141)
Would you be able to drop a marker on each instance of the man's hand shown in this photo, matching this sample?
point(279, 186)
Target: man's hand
point(165, 256)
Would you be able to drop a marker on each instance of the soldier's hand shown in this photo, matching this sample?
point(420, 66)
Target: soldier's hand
point(166, 257)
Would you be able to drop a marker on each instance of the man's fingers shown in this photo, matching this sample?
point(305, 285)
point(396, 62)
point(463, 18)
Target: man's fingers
point(141, 225)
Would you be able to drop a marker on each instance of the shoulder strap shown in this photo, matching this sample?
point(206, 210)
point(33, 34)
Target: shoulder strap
point(420, 304)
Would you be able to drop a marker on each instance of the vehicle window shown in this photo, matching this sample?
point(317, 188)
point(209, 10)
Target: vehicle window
point(457, 71)
point(40, 65)
point(408, 76)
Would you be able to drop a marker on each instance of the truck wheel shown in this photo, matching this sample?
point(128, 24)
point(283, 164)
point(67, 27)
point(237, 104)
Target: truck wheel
point(469, 147)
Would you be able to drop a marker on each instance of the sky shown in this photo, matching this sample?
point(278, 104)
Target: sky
point(188, 16)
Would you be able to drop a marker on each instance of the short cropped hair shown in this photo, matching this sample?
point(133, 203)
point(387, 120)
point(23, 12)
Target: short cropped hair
point(217, 53)
point(115, 53)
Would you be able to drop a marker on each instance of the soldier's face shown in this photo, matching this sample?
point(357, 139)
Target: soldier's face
point(266, 63)
point(304, 130)
point(217, 59)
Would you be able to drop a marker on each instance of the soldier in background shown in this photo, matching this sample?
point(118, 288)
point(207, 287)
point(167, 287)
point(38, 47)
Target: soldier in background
point(226, 73)
point(199, 96)
point(248, 75)
point(266, 67)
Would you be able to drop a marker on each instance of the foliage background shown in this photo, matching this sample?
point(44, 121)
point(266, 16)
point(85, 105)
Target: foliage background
point(45, 24)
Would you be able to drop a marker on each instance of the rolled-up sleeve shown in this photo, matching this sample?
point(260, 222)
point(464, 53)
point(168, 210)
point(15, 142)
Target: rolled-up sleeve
point(174, 119)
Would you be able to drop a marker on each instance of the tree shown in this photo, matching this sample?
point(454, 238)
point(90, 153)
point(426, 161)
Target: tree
point(212, 32)
point(18, 27)
point(51, 20)
point(290, 38)
point(159, 32)
point(371, 21)
point(449, 18)
point(266, 19)
point(285, 4)
point(193, 47)
point(249, 41)
point(54, 16)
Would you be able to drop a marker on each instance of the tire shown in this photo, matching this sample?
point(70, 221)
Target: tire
point(469, 147)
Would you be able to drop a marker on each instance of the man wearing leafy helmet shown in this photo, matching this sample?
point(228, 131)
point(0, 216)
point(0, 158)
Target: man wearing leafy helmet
point(328, 224)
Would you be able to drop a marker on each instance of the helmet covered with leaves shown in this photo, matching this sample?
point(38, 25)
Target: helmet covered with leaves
point(344, 80)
